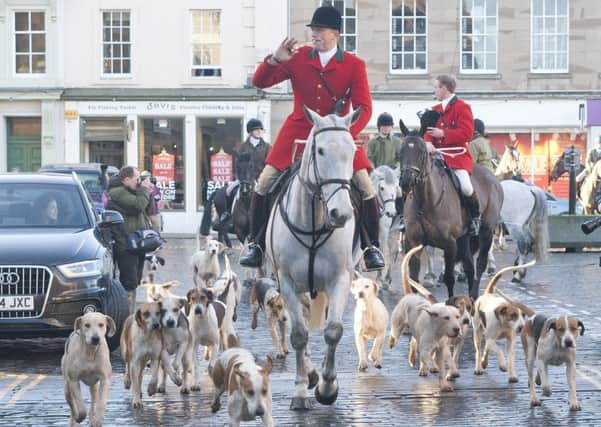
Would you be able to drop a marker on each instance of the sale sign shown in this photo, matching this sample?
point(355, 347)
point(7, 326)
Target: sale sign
point(222, 167)
point(163, 169)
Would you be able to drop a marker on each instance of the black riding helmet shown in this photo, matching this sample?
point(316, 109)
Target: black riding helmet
point(479, 126)
point(253, 124)
point(385, 119)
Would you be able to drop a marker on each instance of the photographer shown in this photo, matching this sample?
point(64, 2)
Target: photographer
point(131, 198)
point(154, 211)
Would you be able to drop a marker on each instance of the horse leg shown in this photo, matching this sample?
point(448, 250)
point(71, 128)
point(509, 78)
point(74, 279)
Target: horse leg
point(326, 391)
point(467, 259)
point(299, 336)
point(522, 250)
point(485, 238)
point(450, 253)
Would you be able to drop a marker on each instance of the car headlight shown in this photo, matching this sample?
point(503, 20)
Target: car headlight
point(81, 269)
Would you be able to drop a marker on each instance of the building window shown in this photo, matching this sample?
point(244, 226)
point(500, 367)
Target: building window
point(408, 44)
point(549, 41)
point(30, 42)
point(162, 145)
point(479, 36)
point(116, 42)
point(206, 43)
point(348, 33)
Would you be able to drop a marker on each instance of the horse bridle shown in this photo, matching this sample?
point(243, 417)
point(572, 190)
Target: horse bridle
point(383, 202)
point(316, 188)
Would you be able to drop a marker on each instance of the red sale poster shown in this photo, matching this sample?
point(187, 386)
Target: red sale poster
point(222, 167)
point(163, 169)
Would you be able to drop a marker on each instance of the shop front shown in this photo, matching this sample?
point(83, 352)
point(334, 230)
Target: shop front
point(174, 140)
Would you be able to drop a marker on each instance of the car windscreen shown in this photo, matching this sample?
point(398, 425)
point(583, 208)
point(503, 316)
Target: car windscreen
point(36, 205)
point(91, 182)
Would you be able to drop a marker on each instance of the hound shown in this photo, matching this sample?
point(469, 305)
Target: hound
point(228, 290)
point(264, 295)
point(497, 317)
point(371, 320)
point(141, 342)
point(153, 263)
point(551, 342)
point(205, 263)
point(247, 385)
point(87, 359)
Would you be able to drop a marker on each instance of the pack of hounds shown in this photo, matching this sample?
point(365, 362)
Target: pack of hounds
point(166, 332)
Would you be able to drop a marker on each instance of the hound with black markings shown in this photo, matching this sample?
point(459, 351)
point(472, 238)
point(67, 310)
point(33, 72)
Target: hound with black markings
point(264, 296)
point(551, 342)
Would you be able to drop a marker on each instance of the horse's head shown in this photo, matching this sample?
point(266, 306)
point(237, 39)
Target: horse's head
point(327, 163)
point(385, 184)
point(558, 169)
point(510, 163)
point(415, 162)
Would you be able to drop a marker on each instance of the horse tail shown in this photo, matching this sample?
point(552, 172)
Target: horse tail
point(491, 285)
point(317, 311)
point(405, 270)
point(539, 224)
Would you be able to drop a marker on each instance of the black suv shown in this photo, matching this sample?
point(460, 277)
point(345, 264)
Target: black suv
point(55, 258)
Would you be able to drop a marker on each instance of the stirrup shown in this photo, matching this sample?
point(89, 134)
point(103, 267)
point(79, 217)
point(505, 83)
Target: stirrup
point(246, 260)
point(379, 252)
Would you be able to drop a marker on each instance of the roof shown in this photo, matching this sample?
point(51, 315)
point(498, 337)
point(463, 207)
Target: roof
point(37, 178)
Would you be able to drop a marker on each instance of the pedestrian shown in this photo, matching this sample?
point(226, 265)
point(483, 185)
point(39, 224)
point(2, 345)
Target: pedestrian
point(383, 149)
point(324, 78)
point(455, 128)
point(131, 198)
point(154, 207)
point(480, 148)
point(594, 155)
point(249, 158)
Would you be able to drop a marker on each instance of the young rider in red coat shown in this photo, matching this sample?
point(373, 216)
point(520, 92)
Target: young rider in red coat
point(455, 128)
point(320, 76)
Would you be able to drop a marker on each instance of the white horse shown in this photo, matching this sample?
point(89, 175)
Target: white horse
point(314, 221)
point(386, 185)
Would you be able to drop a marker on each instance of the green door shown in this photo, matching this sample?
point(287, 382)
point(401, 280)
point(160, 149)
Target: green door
point(24, 147)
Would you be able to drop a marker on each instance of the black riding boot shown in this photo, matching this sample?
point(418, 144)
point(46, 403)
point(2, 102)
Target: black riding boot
point(473, 209)
point(258, 211)
point(399, 202)
point(372, 255)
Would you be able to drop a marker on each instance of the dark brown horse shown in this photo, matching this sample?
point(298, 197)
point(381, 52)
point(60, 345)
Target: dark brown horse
point(434, 213)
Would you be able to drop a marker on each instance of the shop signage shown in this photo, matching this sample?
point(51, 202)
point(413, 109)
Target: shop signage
point(222, 167)
point(226, 109)
point(163, 168)
point(71, 114)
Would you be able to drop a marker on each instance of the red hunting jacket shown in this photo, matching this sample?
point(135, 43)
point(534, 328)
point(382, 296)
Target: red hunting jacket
point(457, 122)
point(344, 70)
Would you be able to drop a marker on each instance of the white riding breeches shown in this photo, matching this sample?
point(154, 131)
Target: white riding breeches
point(360, 178)
point(464, 180)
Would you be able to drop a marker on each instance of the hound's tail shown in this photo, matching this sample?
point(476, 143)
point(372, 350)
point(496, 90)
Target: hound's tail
point(491, 285)
point(317, 311)
point(525, 309)
point(405, 280)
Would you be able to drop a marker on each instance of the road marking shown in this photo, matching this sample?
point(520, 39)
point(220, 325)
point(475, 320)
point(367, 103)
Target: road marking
point(556, 301)
point(570, 305)
point(585, 312)
point(589, 379)
point(532, 293)
point(591, 369)
point(11, 386)
point(24, 390)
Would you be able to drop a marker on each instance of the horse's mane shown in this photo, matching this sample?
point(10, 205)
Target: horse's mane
point(385, 173)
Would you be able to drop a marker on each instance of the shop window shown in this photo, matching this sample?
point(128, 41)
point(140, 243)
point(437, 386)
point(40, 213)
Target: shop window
point(30, 42)
point(214, 135)
point(162, 153)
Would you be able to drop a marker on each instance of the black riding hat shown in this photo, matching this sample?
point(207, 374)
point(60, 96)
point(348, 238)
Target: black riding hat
point(253, 124)
point(385, 119)
point(479, 126)
point(326, 17)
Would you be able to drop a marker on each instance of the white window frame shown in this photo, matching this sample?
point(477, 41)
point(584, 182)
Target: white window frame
point(13, 28)
point(131, 47)
point(343, 33)
point(485, 35)
point(192, 43)
point(555, 34)
point(390, 42)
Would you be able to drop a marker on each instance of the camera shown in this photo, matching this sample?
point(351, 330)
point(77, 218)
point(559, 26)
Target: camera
point(591, 225)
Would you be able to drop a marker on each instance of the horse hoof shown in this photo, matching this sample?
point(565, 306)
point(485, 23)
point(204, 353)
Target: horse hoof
point(301, 404)
point(329, 398)
point(461, 277)
point(491, 270)
point(313, 379)
point(516, 280)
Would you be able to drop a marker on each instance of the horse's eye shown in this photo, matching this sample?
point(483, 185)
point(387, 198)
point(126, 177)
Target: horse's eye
point(320, 151)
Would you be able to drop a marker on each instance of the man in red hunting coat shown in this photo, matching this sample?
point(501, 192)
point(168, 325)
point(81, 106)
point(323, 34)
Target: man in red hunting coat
point(455, 128)
point(321, 76)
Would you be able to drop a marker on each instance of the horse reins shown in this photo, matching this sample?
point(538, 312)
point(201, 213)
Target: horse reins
point(318, 236)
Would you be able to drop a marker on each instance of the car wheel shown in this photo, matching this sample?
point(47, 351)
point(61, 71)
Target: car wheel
point(116, 305)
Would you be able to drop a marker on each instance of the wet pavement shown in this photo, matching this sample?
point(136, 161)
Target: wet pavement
point(31, 385)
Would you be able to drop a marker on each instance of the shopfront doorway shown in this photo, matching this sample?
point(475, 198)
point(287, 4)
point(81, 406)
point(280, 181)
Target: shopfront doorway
point(24, 146)
point(103, 139)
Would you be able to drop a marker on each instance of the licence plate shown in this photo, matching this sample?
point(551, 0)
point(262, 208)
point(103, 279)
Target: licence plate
point(17, 303)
